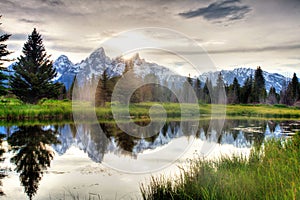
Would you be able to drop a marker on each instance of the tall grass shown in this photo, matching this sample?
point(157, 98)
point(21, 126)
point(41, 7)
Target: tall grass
point(270, 172)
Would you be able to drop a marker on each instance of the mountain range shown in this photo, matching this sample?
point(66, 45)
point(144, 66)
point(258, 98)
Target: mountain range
point(98, 61)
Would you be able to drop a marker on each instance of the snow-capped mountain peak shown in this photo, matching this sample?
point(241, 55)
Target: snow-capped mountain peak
point(98, 54)
point(62, 64)
point(98, 61)
point(271, 79)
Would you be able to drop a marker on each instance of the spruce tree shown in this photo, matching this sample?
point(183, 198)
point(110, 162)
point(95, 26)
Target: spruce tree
point(206, 95)
point(246, 91)
point(197, 88)
point(294, 88)
point(219, 90)
point(234, 92)
point(3, 53)
point(70, 91)
point(33, 72)
point(102, 91)
point(285, 94)
point(187, 93)
point(259, 88)
point(273, 96)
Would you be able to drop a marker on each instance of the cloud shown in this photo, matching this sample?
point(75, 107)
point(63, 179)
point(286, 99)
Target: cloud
point(7, 2)
point(227, 10)
point(29, 21)
point(53, 2)
point(70, 48)
point(259, 49)
point(237, 50)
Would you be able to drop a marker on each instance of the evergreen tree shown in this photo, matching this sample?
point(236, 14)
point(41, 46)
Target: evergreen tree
point(197, 88)
point(294, 87)
point(206, 95)
point(70, 91)
point(259, 88)
point(246, 90)
point(273, 97)
point(219, 90)
point(101, 94)
point(234, 92)
point(104, 89)
point(62, 92)
point(3, 53)
point(285, 94)
point(187, 93)
point(33, 73)
point(166, 92)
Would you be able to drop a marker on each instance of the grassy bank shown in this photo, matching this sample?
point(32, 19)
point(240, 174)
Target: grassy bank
point(272, 172)
point(13, 109)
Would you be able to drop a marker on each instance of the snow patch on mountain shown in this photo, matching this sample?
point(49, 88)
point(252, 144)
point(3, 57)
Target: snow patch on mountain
point(271, 79)
point(98, 61)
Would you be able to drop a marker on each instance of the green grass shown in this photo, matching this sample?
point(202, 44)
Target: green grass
point(263, 111)
point(13, 109)
point(270, 172)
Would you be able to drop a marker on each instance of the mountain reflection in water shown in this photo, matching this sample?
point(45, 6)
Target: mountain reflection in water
point(33, 147)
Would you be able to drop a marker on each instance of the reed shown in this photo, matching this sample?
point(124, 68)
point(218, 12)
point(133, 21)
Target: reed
point(270, 172)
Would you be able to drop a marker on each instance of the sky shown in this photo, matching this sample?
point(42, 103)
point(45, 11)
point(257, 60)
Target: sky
point(231, 33)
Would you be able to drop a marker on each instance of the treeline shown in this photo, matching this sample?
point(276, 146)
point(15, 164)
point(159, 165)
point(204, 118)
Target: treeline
point(252, 91)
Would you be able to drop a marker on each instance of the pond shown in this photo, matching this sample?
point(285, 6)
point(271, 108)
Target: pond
point(101, 161)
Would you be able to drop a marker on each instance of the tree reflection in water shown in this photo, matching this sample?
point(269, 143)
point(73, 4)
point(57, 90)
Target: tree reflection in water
point(33, 154)
point(2, 151)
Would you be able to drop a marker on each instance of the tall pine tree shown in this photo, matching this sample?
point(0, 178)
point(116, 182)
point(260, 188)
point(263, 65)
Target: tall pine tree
point(197, 88)
point(102, 90)
point(3, 53)
point(294, 88)
point(259, 93)
point(33, 73)
point(273, 97)
point(207, 90)
point(233, 96)
point(219, 91)
point(246, 90)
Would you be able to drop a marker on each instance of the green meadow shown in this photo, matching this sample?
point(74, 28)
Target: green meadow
point(13, 109)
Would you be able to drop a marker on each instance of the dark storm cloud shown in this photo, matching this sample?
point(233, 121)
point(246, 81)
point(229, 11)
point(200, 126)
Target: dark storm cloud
point(226, 10)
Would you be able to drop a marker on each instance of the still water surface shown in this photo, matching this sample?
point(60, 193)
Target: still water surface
point(68, 161)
